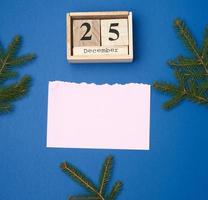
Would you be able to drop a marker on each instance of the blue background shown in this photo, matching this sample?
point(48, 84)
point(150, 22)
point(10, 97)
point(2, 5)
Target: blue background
point(176, 167)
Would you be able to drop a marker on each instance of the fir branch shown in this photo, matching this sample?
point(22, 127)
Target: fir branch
point(184, 62)
point(15, 91)
point(96, 193)
point(115, 191)
point(189, 41)
point(105, 174)
point(79, 177)
point(167, 88)
point(190, 73)
point(13, 47)
point(186, 37)
point(197, 98)
point(196, 75)
point(7, 75)
point(179, 94)
point(8, 60)
point(173, 101)
point(22, 60)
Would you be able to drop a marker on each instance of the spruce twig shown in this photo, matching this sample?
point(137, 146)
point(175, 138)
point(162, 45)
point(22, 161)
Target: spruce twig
point(95, 193)
point(191, 73)
point(79, 177)
point(9, 60)
point(105, 174)
point(115, 190)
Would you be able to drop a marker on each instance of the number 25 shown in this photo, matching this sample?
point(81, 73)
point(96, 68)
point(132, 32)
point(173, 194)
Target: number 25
point(111, 30)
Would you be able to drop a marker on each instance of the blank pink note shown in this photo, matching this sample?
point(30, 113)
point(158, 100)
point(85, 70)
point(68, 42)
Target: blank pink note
point(98, 116)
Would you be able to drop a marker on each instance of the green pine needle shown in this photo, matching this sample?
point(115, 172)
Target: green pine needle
point(16, 90)
point(184, 62)
point(5, 107)
point(7, 75)
point(175, 100)
point(190, 73)
point(13, 47)
point(105, 174)
point(9, 60)
point(115, 191)
point(22, 60)
point(186, 36)
point(95, 193)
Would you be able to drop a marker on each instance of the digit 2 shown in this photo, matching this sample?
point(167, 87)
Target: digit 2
point(88, 26)
point(115, 31)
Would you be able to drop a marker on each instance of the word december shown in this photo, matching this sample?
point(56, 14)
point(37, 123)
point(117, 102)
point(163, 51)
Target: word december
point(103, 50)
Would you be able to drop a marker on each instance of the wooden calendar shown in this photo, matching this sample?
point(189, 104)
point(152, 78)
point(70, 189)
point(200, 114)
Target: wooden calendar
point(99, 37)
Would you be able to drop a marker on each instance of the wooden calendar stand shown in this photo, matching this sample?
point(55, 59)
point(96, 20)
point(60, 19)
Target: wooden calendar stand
point(99, 37)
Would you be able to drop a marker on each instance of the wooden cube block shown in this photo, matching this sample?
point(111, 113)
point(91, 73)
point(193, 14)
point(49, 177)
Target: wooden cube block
point(114, 32)
point(86, 33)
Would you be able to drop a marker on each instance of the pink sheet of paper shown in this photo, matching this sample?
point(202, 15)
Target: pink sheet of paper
point(98, 116)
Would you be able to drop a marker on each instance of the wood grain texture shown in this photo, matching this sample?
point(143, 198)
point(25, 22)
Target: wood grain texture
point(108, 29)
point(131, 44)
point(79, 30)
point(69, 35)
point(101, 59)
point(100, 15)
